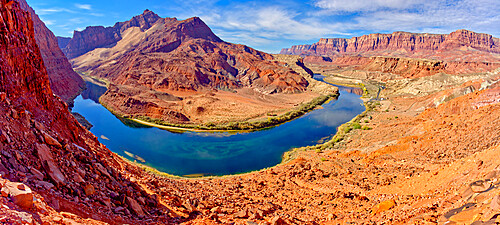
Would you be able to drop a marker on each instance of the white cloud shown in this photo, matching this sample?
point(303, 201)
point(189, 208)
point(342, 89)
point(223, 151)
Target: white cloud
point(267, 23)
point(97, 14)
point(437, 16)
point(83, 6)
point(365, 5)
point(48, 11)
point(48, 22)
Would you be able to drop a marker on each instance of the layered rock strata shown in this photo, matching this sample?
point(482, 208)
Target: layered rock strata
point(64, 82)
point(399, 41)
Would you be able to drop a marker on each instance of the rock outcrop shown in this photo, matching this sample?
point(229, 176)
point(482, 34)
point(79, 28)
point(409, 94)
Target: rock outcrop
point(64, 82)
point(399, 43)
point(173, 58)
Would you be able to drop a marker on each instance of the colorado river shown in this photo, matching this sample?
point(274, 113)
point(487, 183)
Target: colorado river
point(217, 153)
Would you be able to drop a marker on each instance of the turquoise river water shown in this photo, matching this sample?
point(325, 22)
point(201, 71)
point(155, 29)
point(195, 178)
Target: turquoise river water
point(214, 153)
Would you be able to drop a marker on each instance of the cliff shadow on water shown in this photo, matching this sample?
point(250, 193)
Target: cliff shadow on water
point(93, 91)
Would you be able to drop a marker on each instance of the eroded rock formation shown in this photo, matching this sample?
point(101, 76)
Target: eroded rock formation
point(173, 58)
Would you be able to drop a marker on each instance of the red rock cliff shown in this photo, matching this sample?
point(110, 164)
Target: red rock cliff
point(63, 80)
point(42, 144)
point(398, 41)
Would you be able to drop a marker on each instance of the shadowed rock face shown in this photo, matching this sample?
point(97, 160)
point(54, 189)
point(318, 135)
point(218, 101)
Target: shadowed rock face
point(63, 41)
point(64, 82)
point(399, 41)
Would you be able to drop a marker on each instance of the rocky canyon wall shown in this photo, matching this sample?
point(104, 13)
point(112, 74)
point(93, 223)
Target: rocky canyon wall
point(64, 82)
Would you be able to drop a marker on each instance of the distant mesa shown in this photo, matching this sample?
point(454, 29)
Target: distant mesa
point(410, 55)
point(400, 44)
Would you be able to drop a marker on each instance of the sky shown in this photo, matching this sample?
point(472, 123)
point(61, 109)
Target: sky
point(270, 25)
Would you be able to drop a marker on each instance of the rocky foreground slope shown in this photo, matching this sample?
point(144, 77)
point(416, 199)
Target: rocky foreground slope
point(181, 72)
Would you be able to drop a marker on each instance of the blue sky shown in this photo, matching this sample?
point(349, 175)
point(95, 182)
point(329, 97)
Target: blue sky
point(270, 25)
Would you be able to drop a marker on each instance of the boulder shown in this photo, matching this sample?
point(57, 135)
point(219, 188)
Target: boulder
point(19, 193)
point(38, 175)
point(467, 216)
point(50, 140)
point(48, 163)
point(135, 207)
point(101, 169)
point(383, 206)
point(480, 186)
point(241, 214)
point(89, 189)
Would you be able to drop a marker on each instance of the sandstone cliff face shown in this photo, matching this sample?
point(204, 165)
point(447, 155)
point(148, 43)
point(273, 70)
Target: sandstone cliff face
point(184, 55)
point(63, 80)
point(404, 42)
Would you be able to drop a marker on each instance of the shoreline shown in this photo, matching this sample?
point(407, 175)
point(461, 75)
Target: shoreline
point(287, 156)
point(234, 127)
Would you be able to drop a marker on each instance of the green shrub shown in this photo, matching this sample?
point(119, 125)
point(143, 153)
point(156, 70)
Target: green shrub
point(367, 128)
point(356, 125)
point(347, 129)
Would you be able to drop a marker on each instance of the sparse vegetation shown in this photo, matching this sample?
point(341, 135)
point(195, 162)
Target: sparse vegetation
point(261, 124)
point(341, 134)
